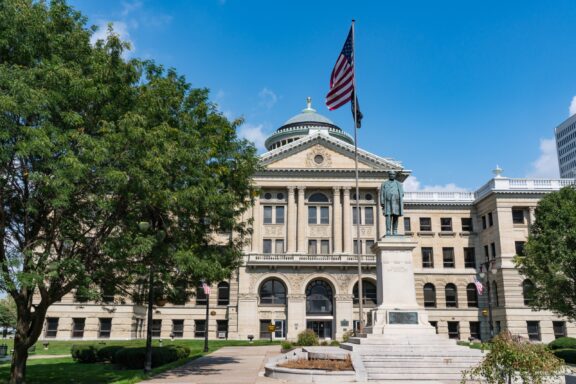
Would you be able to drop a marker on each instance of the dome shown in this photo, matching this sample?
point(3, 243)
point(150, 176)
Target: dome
point(302, 125)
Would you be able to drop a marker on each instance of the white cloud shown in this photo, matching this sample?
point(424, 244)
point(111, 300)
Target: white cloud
point(412, 184)
point(253, 133)
point(120, 28)
point(546, 166)
point(267, 98)
point(572, 108)
point(129, 7)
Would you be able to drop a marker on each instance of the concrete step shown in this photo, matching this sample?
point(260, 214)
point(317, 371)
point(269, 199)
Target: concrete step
point(417, 364)
point(415, 370)
point(420, 377)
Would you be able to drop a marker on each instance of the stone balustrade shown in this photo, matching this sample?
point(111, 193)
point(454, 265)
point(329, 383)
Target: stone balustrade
point(295, 259)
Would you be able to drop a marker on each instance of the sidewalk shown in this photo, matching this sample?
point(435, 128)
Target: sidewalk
point(228, 365)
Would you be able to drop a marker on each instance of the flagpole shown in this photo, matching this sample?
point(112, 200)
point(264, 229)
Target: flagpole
point(358, 243)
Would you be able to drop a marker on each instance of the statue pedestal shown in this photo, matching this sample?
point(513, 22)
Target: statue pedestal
point(397, 310)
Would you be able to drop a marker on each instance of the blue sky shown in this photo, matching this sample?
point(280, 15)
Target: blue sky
point(450, 88)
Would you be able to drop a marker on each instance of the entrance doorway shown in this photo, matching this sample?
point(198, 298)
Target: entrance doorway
point(322, 328)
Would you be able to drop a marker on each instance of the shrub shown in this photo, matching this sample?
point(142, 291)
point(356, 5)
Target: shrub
point(334, 343)
point(347, 335)
point(107, 353)
point(286, 345)
point(84, 353)
point(568, 355)
point(133, 358)
point(307, 338)
point(324, 343)
point(563, 343)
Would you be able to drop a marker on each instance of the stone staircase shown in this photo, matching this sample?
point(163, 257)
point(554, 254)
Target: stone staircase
point(422, 358)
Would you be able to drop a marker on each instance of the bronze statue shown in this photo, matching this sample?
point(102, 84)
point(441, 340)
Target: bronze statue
point(392, 202)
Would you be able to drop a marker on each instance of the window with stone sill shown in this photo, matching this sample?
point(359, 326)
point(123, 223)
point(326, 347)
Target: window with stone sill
point(407, 225)
point(533, 329)
point(517, 216)
point(493, 249)
point(490, 219)
point(105, 328)
point(51, 327)
point(429, 295)
point(369, 293)
point(78, 327)
point(451, 296)
point(177, 329)
point(467, 224)
point(472, 295)
point(427, 257)
point(454, 330)
point(446, 224)
point(483, 222)
point(448, 257)
point(425, 224)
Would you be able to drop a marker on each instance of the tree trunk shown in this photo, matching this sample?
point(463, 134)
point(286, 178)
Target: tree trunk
point(18, 368)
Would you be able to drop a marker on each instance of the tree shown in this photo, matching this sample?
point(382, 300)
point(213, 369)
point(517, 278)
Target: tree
point(511, 359)
point(91, 145)
point(7, 312)
point(549, 259)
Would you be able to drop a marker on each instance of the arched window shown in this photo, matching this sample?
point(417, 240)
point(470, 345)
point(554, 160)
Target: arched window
point(472, 295)
point(273, 291)
point(200, 295)
point(318, 198)
point(527, 291)
point(429, 295)
point(494, 293)
point(451, 296)
point(319, 298)
point(369, 293)
point(223, 293)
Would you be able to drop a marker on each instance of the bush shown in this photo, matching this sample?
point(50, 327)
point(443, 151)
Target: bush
point(107, 353)
point(307, 338)
point(568, 355)
point(84, 353)
point(334, 343)
point(563, 343)
point(133, 358)
point(347, 335)
point(286, 345)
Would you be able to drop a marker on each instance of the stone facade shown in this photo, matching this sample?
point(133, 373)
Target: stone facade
point(300, 267)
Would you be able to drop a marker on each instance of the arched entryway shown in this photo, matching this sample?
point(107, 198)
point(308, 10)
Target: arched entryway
point(320, 308)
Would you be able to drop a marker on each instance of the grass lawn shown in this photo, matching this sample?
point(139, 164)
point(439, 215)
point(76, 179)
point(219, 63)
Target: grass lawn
point(65, 370)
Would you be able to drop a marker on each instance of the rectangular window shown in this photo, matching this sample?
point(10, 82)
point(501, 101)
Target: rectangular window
point(446, 224)
point(105, 328)
point(279, 246)
point(483, 222)
point(425, 224)
point(559, 329)
point(493, 249)
point(222, 329)
point(267, 246)
point(407, 225)
point(324, 215)
point(369, 244)
point(427, 257)
point(157, 328)
point(533, 328)
point(177, 329)
point(454, 330)
point(486, 253)
point(355, 216)
point(469, 257)
point(356, 250)
point(199, 328)
point(467, 224)
point(78, 327)
point(448, 257)
point(267, 214)
point(368, 215)
point(518, 216)
point(475, 330)
point(264, 332)
point(279, 215)
point(280, 332)
point(325, 247)
point(312, 247)
point(519, 246)
point(312, 215)
point(51, 326)
point(490, 219)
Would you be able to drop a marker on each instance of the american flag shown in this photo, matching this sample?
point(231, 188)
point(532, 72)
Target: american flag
point(206, 288)
point(479, 286)
point(342, 78)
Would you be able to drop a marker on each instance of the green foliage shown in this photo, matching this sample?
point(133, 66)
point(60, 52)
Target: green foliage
point(7, 312)
point(347, 335)
point(550, 254)
point(107, 353)
point(286, 345)
point(307, 338)
point(85, 353)
point(563, 343)
point(133, 358)
point(568, 355)
point(334, 343)
point(511, 360)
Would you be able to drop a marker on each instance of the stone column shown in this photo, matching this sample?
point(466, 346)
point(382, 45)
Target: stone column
point(302, 220)
point(531, 216)
point(256, 225)
point(337, 219)
point(347, 218)
point(248, 323)
point(292, 220)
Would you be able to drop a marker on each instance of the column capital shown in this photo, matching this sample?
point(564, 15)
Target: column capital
point(291, 189)
point(336, 189)
point(346, 190)
point(301, 188)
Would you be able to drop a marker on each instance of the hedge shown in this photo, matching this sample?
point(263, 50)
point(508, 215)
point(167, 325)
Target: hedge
point(107, 353)
point(133, 358)
point(563, 343)
point(568, 355)
point(85, 353)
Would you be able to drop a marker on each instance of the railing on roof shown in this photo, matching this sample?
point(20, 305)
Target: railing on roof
point(466, 197)
point(286, 258)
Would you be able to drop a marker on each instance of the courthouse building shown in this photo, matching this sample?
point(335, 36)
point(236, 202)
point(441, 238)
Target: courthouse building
point(300, 266)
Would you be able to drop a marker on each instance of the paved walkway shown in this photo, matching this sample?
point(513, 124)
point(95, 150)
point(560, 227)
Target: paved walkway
point(228, 365)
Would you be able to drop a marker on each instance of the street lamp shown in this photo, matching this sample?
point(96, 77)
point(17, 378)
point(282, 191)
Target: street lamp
point(486, 266)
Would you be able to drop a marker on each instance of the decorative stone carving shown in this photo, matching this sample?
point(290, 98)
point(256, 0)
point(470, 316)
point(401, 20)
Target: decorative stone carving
point(366, 231)
point(344, 297)
point(318, 157)
point(273, 230)
point(247, 296)
point(319, 231)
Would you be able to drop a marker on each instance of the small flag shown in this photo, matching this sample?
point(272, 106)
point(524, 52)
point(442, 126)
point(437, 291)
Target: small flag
point(342, 77)
point(359, 116)
point(206, 288)
point(479, 286)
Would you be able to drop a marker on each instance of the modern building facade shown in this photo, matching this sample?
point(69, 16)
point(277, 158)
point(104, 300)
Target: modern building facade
point(566, 147)
point(300, 267)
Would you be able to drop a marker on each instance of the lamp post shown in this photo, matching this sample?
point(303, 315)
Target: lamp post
point(206, 289)
point(486, 266)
